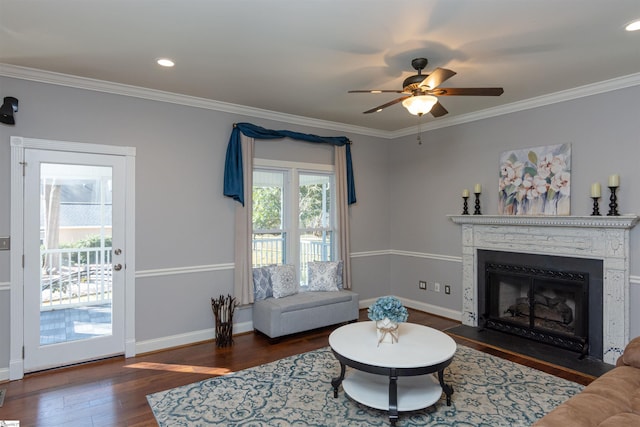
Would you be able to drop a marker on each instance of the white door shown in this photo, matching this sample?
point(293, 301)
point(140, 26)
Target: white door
point(74, 270)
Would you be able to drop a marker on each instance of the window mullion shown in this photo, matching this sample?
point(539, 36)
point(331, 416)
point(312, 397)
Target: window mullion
point(293, 237)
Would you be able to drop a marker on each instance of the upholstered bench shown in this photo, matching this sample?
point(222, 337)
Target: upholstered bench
point(282, 307)
point(276, 317)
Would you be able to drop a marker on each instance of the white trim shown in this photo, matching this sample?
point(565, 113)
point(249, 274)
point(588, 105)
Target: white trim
point(436, 257)
point(5, 286)
point(16, 309)
point(623, 221)
point(18, 146)
point(634, 280)
point(433, 309)
point(78, 147)
point(365, 254)
point(422, 306)
point(184, 270)
point(230, 266)
point(526, 104)
point(426, 255)
point(283, 164)
point(31, 74)
point(13, 71)
point(130, 254)
point(178, 340)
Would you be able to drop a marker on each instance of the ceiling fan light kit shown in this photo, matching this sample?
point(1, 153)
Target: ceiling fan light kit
point(419, 105)
point(420, 91)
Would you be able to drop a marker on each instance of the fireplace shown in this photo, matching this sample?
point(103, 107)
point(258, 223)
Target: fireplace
point(604, 239)
point(551, 299)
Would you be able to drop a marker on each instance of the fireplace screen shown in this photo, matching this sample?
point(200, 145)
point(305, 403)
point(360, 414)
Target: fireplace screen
point(539, 303)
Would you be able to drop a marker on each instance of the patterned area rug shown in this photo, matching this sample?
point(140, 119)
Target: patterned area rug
point(3, 392)
point(296, 391)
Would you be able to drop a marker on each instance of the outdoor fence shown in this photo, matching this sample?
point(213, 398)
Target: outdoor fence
point(75, 277)
point(272, 250)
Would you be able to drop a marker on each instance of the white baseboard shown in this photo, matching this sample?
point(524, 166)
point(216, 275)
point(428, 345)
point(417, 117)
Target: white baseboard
point(422, 306)
point(164, 343)
point(4, 374)
point(433, 309)
point(16, 369)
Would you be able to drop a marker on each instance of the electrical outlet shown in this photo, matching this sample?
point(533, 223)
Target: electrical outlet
point(436, 287)
point(447, 289)
point(5, 243)
point(422, 285)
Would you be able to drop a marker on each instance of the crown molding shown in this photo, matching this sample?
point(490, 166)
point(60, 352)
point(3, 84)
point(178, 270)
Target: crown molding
point(41, 76)
point(527, 104)
point(31, 74)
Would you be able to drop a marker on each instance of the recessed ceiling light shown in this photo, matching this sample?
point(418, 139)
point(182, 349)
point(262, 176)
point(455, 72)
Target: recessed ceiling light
point(633, 26)
point(165, 62)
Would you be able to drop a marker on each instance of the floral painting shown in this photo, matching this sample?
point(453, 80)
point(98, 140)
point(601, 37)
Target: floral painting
point(535, 181)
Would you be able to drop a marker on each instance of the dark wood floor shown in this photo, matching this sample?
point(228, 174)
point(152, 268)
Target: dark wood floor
point(113, 392)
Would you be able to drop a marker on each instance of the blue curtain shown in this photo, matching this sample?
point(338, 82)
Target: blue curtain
point(233, 180)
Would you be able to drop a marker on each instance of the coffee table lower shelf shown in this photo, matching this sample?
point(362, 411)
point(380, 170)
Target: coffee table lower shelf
point(373, 390)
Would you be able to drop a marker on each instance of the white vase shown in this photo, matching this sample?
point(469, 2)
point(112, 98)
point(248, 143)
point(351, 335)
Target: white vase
point(387, 331)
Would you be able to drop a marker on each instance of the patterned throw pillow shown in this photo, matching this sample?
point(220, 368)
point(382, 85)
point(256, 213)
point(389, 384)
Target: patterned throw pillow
point(340, 267)
point(262, 288)
point(323, 276)
point(283, 280)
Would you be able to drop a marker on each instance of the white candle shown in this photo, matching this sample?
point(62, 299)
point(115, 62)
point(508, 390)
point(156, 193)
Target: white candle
point(614, 180)
point(465, 193)
point(477, 189)
point(595, 189)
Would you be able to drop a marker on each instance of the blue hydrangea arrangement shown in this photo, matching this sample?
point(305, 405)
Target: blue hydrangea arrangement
point(389, 307)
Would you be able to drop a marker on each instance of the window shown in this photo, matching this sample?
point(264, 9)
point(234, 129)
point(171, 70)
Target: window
point(269, 233)
point(293, 214)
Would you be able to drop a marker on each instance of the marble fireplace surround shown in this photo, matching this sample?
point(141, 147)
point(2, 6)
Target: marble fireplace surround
point(597, 237)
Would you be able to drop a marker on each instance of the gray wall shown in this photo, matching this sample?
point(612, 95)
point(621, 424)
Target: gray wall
point(182, 218)
point(427, 181)
point(399, 230)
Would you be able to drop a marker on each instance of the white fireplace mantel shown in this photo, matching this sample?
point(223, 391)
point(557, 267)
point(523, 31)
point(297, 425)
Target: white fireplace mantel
point(596, 237)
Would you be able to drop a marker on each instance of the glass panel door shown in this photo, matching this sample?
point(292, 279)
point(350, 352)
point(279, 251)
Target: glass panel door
point(74, 235)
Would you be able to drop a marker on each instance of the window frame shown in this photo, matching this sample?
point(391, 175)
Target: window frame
point(291, 224)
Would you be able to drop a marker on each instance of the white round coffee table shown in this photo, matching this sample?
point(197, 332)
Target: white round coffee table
point(392, 377)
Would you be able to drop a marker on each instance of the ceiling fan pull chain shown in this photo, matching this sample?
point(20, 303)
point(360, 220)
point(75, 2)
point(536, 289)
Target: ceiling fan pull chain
point(419, 131)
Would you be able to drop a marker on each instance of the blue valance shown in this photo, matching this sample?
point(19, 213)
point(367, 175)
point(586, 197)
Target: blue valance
point(233, 180)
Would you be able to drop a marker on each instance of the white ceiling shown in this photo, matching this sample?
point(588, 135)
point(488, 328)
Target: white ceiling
point(300, 57)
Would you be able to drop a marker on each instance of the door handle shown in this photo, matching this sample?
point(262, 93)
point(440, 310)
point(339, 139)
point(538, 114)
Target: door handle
point(117, 267)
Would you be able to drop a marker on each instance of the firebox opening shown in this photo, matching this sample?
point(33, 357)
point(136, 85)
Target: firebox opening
point(551, 299)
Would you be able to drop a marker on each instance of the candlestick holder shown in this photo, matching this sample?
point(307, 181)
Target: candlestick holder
point(613, 203)
point(477, 210)
point(465, 205)
point(596, 207)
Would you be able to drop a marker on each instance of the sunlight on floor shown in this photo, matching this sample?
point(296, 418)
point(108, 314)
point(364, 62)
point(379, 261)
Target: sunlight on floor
point(180, 368)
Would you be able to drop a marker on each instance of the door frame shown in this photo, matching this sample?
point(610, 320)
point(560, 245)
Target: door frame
point(18, 146)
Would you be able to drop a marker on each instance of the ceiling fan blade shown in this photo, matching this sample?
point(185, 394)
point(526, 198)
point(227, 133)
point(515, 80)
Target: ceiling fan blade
point(388, 104)
point(436, 78)
point(438, 110)
point(468, 91)
point(375, 91)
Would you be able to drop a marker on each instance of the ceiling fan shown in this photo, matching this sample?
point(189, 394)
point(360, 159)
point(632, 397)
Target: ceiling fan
point(421, 91)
